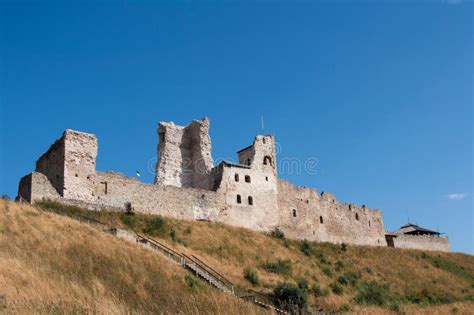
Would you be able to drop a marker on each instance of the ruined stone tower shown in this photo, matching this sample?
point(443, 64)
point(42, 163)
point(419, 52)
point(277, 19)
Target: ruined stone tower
point(184, 154)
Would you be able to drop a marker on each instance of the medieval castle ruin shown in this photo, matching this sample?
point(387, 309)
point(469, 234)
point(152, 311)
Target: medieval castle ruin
point(188, 185)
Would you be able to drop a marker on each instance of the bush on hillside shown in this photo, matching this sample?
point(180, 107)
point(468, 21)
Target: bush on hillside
point(327, 271)
point(192, 281)
point(336, 288)
point(373, 293)
point(277, 233)
point(156, 226)
point(339, 265)
point(429, 297)
point(302, 283)
point(318, 292)
point(289, 295)
point(280, 266)
point(251, 276)
point(306, 248)
point(350, 277)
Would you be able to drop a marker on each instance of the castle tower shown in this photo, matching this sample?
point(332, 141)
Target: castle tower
point(260, 155)
point(70, 163)
point(184, 155)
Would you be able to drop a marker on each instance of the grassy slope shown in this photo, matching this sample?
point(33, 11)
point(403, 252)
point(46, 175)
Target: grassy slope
point(417, 282)
point(54, 264)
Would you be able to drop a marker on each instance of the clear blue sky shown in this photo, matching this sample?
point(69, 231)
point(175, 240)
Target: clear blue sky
point(380, 94)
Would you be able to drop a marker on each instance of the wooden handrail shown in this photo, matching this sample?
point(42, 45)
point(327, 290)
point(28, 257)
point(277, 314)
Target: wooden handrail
point(209, 270)
point(150, 239)
point(214, 271)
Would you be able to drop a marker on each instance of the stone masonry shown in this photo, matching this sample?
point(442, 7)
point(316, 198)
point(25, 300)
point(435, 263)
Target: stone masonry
point(188, 185)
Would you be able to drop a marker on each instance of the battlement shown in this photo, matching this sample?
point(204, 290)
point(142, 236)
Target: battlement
point(188, 185)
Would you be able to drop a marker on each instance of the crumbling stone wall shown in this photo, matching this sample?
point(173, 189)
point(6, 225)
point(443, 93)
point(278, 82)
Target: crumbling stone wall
point(51, 164)
point(36, 186)
point(187, 186)
point(424, 242)
point(320, 217)
point(184, 155)
point(115, 190)
point(69, 165)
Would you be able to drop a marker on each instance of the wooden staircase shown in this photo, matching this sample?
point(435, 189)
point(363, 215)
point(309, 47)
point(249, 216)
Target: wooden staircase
point(204, 271)
point(191, 263)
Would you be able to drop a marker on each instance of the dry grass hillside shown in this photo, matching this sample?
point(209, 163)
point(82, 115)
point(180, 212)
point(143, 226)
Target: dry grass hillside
point(49, 262)
point(53, 264)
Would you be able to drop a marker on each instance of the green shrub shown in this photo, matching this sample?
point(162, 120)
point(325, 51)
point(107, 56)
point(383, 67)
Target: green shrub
point(188, 230)
point(395, 306)
point(336, 288)
point(173, 236)
point(192, 281)
point(128, 220)
point(288, 294)
point(372, 293)
point(349, 277)
point(280, 266)
point(446, 265)
point(327, 271)
point(318, 292)
point(339, 265)
point(343, 247)
point(323, 260)
point(277, 233)
point(306, 248)
point(302, 283)
point(251, 276)
point(344, 308)
point(343, 280)
point(429, 297)
point(156, 226)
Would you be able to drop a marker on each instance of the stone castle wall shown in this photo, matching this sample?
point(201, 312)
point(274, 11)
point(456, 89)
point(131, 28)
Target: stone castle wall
point(424, 242)
point(306, 214)
point(189, 186)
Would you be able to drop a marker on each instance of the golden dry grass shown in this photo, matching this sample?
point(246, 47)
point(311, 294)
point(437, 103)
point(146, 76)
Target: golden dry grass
point(409, 273)
point(53, 264)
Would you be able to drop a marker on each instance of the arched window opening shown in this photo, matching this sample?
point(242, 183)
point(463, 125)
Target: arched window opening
point(369, 223)
point(248, 161)
point(250, 201)
point(357, 216)
point(247, 178)
point(321, 219)
point(236, 177)
point(266, 178)
point(239, 199)
point(294, 213)
point(267, 160)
